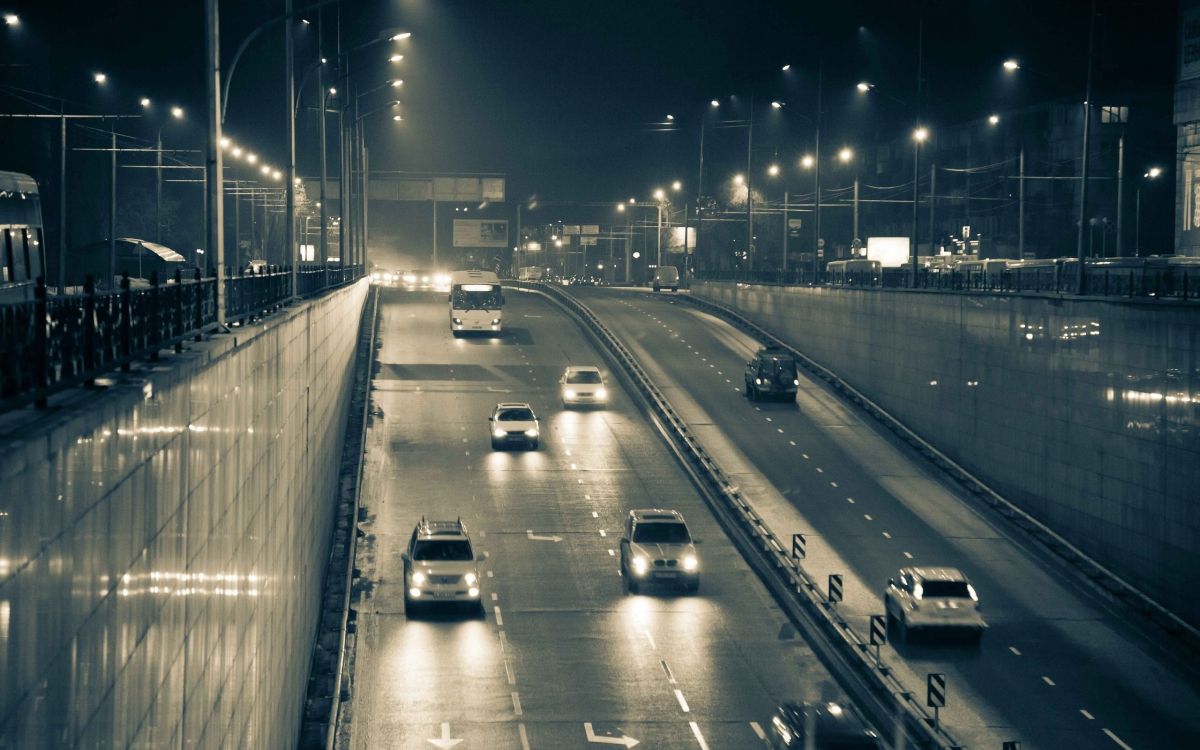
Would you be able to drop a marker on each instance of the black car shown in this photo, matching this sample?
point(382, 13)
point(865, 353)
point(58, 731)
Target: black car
point(833, 726)
point(771, 374)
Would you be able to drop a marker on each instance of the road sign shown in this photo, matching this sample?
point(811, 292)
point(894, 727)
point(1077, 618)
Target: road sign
point(798, 545)
point(935, 690)
point(590, 229)
point(878, 630)
point(584, 240)
point(835, 587)
point(570, 229)
point(966, 234)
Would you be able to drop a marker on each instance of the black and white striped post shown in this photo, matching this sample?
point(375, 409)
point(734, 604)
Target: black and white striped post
point(878, 636)
point(835, 589)
point(935, 694)
point(798, 545)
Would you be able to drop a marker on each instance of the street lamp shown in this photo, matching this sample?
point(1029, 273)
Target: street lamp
point(1011, 65)
point(395, 58)
point(919, 135)
point(145, 102)
point(738, 179)
point(993, 119)
point(845, 155)
point(177, 113)
point(659, 194)
point(100, 78)
point(12, 19)
point(715, 103)
point(807, 161)
point(864, 87)
point(1151, 174)
point(677, 186)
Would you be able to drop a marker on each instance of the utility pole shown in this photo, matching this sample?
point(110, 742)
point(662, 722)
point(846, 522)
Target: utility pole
point(1087, 120)
point(1021, 205)
point(912, 276)
point(1121, 193)
point(213, 167)
point(62, 201)
point(785, 229)
point(749, 190)
point(856, 235)
point(932, 203)
point(816, 264)
point(290, 94)
point(699, 188)
point(112, 214)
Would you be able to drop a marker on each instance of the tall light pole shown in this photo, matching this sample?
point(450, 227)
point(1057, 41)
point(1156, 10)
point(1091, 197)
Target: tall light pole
point(1087, 121)
point(214, 174)
point(289, 82)
point(176, 113)
point(920, 134)
point(1151, 174)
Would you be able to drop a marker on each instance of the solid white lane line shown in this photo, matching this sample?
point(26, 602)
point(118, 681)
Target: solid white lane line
point(517, 704)
point(908, 555)
point(499, 619)
point(1047, 680)
point(524, 737)
point(758, 730)
point(512, 678)
point(699, 737)
point(682, 701)
point(1117, 739)
point(1015, 650)
point(650, 638)
point(1087, 715)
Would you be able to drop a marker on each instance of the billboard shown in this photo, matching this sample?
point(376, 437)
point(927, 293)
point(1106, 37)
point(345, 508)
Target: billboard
point(480, 233)
point(676, 245)
point(891, 252)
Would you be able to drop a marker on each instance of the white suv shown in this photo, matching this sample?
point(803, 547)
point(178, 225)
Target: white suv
point(514, 424)
point(933, 598)
point(656, 547)
point(440, 566)
point(582, 386)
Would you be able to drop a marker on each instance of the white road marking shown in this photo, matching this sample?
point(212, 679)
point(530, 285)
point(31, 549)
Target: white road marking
point(758, 730)
point(682, 701)
point(524, 737)
point(1014, 650)
point(805, 456)
point(612, 554)
point(595, 514)
point(699, 737)
point(541, 537)
point(820, 470)
point(587, 497)
point(503, 642)
point(650, 638)
point(670, 677)
point(573, 466)
point(495, 596)
point(489, 574)
point(1047, 680)
point(768, 419)
point(602, 533)
point(499, 619)
point(1117, 739)
point(792, 443)
point(850, 500)
point(833, 484)
point(868, 516)
point(568, 451)
point(517, 704)
point(779, 430)
point(887, 535)
point(1086, 714)
point(508, 673)
point(908, 555)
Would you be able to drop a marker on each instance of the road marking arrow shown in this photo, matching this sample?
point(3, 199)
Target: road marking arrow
point(540, 538)
point(444, 742)
point(601, 739)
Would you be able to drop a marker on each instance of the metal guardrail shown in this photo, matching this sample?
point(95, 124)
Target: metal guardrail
point(1177, 283)
point(844, 652)
point(56, 342)
point(1108, 581)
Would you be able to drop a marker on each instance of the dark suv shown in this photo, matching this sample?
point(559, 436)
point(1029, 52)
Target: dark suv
point(771, 374)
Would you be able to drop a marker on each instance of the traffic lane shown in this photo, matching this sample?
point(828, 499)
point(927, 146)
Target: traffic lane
point(436, 445)
point(1081, 634)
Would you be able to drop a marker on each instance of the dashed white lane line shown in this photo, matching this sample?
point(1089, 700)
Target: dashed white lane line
point(1047, 680)
point(779, 430)
point(499, 618)
point(517, 705)
point(887, 535)
point(820, 470)
point(769, 419)
point(868, 516)
point(1015, 650)
point(682, 701)
point(650, 638)
point(1087, 714)
point(670, 677)
point(805, 456)
point(833, 484)
point(612, 554)
point(595, 514)
point(1117, 739)
point(908, 555)
point(850, 500)
point(792, 443)
point(524, 736)
point(699, 737)
point(508, 673)
point(758, 730)
point(490, 574)
point(495, 596)
point(503, 642)
point(602, 533)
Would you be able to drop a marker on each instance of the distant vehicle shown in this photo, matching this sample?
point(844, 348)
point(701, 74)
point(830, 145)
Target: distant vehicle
point(982, 274)
point(854, 271)
point(933, 599)
point(583, 385)
point(771, 374)
point(822, 726)
point(440, 566)
point(666, 277)
point(22, 246)
point(532, 273)
point(656, 547)
point(514, 424)
point(258, 266)
point(475, 302)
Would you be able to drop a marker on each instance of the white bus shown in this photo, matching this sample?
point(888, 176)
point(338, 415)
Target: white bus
point(475, 302)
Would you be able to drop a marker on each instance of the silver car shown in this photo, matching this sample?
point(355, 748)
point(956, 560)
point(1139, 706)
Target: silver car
point(933, 599)
point(440, 566)
point(656, 547)
point(583, 386)
point(514, 424)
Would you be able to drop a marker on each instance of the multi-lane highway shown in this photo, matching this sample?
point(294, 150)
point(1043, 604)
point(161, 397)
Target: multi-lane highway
point(1057, 669)
point(562, 657)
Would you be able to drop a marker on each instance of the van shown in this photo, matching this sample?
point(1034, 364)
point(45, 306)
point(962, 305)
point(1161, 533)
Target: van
point(666, 276)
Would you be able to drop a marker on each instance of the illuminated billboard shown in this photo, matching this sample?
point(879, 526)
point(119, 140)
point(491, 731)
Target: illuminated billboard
point(891, 252)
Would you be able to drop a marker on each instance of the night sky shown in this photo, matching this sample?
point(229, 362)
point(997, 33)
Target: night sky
point(558, 95)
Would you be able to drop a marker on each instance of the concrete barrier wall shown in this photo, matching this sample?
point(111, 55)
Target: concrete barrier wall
point(162, 542)
point(1085, 413)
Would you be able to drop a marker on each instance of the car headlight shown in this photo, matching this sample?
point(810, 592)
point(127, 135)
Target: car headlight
point(473, 591)
point(375, 276)
point(569, 393)
point(410, 278)
point(495, 321)
point(414, 592)
point(471, 579)
point(758, 381)
point(601, 393)
point(457, 321)
point(796, 381)
point(531, 432)
point(639, 565)
point(498, 432)
point(388, 277)
point(690, 563)
point(418, 578)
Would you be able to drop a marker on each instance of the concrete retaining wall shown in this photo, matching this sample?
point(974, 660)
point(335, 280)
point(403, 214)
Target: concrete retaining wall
point(1086, 413)
point(162, 542)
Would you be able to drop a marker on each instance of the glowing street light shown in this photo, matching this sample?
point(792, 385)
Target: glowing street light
point(145, 102)
point(266, 170)
point(671, 117)
point(402, 35)
point(738, 179)
point(332, 91)
point(786, 68)
point(776, 105)
point(393, 58)
point(276, 175)
point(1011, 65)
point(12, 19)
point(659, 194)
point(1153, 173)
point(773, 170)
point(177, 113)
point(807, 161)
point(632, 201)
point(993, 119)
point(845, 155)
point(921, 134)
point(621, 208)
point(237, 151)
point(863, 86)
point(100, 78)
point(715, 103)
point(677, 186)
point(251, 158)
point(225, 142)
